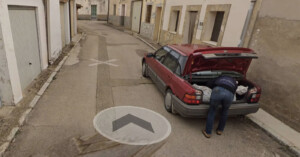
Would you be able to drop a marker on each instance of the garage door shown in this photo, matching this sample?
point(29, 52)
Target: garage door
point(136, 16)
point(26, 43)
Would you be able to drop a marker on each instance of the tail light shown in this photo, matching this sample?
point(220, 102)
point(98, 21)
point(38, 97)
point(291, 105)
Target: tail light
point(195, 98)
point(253, 95)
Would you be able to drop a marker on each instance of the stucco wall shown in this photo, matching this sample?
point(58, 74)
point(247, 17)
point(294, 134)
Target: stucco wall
point(85, 11)
point(9, 44)
point(234, 26)
point(276, 39)
point(147, 30)
point(115, 20)
point(6, 95)
point(118, 4)
point(54, 34)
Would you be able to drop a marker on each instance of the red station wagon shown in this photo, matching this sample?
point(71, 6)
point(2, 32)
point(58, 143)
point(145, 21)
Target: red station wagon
point(176, 68)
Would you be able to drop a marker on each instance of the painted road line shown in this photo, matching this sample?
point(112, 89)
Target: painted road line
point(103, 62)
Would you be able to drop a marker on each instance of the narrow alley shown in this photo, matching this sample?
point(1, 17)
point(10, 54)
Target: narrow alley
point(104, 71)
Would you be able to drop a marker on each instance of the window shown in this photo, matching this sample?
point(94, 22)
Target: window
point(148, 13)
point(174, 21)
point(217, 26)
point(170, 62)
point(115, 9)
point(161, 53)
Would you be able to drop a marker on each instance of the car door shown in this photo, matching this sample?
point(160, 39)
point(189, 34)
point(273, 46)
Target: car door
point(167, 69)
point(153, 62)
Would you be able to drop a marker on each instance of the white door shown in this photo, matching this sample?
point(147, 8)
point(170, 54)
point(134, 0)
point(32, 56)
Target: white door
point(25, 36)
point(62, 24)
point(136, 16)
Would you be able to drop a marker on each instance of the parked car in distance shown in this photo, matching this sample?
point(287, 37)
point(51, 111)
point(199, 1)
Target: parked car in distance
point(176, 68)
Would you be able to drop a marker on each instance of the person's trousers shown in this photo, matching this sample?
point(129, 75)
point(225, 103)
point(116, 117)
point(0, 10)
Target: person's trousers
point(219, 97)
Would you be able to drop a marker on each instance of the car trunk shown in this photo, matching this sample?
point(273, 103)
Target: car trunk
point(204, 66)
point(241, 82)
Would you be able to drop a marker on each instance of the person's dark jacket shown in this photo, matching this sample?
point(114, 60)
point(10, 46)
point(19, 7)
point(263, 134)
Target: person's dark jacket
point(226, 82)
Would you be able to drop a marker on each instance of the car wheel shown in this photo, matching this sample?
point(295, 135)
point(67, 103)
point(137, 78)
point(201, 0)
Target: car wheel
point(144, 69)
point(168, 101)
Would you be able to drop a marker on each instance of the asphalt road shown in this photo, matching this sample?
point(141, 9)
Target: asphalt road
point(81, 90)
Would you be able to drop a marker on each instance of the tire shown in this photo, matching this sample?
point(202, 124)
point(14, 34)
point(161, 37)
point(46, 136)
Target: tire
point(168, 101)
point(144, 70)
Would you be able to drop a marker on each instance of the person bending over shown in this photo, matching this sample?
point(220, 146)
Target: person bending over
point(223, 90)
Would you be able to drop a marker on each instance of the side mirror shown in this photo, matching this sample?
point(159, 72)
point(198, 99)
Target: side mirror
point(150, 55)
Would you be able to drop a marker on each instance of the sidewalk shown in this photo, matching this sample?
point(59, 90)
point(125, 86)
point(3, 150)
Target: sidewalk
point(13, 117)
point(282, 132)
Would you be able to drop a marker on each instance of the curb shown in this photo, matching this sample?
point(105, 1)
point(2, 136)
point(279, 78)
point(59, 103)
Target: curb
point(150, 45)
point(279, 135)
point(34, 101)
point(133, 34)
point(277, 129)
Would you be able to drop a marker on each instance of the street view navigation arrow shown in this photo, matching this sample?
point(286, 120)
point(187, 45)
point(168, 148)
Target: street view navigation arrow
point(132, 125)
point(123, 121)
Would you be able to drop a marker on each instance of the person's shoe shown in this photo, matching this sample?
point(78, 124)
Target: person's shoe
point(206, 134)
point(219, 132)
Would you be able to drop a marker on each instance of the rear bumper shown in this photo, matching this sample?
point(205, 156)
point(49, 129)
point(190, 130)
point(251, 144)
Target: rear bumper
point(201, 110)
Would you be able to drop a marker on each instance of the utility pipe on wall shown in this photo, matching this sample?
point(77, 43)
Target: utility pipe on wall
point(247, 21)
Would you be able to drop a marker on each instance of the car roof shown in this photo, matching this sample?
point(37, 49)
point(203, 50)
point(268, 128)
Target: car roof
point(187, 49)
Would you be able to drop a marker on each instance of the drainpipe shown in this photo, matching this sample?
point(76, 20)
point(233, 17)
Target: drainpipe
point(70, 21)
point(108, 11)
point(161, 20)
point(247, 21)
point(46, 9)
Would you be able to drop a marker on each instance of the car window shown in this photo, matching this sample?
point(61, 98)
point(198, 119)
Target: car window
point(170, 62)
point(161, 53)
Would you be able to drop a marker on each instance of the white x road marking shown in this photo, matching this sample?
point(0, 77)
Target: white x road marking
point(103, 62)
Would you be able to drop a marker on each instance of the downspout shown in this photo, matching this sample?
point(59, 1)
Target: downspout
point(247, 21)
point(47, 31)
point(108, 11)
point(70, 21)
point(141, 16)
point(161, 21)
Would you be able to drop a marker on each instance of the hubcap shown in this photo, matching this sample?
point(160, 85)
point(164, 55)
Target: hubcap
point(168, 101)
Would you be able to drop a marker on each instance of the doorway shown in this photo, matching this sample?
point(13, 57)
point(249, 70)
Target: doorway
point(136, 16)
point(123, 15)
point(94, 12)
point(157, 24)
point(190, 27)
point(23, 21)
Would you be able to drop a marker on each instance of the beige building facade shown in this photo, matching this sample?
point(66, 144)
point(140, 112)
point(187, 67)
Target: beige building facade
point(152, 16)
point(214, 22)
point(276, 38)
point(93, 9)
point(120, 13)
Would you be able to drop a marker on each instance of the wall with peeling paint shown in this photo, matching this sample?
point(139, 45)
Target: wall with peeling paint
point(276, 39)
point(6, 94)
